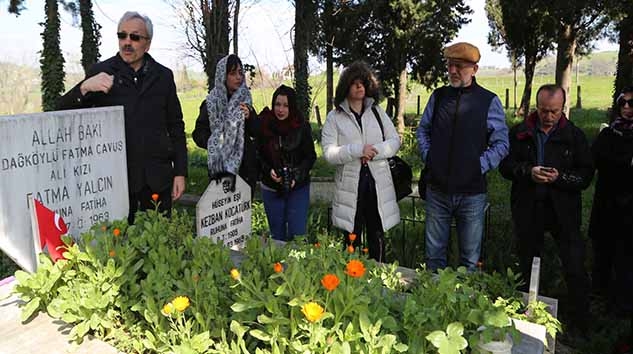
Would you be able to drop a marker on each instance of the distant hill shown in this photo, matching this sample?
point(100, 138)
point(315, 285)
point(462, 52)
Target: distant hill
point(596, 64)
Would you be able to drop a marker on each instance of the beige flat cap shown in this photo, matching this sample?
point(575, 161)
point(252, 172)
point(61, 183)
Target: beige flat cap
point(463, 51)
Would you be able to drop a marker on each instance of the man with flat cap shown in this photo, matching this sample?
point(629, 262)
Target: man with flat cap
point(462, 135)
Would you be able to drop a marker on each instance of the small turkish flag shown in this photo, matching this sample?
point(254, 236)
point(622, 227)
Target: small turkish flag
point(51, 227)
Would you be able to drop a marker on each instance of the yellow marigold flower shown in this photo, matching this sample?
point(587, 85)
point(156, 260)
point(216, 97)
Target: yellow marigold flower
point(355, 268)
point(111, 253)
point(278, 267)
point(312, 311)
point(167, 309)
point(116, 232)
point(330, 281)
point(180, 303)
point(235, 274)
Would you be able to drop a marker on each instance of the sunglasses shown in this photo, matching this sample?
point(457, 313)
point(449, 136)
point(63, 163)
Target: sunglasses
point(622, 102)
point(133, 36)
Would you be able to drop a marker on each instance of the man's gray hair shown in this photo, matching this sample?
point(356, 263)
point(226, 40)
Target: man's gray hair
point(130, 15)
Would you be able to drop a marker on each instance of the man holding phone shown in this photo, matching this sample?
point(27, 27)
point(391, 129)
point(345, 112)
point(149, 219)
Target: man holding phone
point(549, 164)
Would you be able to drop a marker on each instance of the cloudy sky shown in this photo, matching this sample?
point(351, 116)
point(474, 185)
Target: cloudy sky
point(265, 33)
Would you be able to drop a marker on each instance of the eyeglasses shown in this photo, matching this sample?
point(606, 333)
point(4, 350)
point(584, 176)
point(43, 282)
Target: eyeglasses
point(133, 36)
point(622, 102)
point(460, 66)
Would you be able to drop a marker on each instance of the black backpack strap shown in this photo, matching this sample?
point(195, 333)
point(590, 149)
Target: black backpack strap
point(382, 129)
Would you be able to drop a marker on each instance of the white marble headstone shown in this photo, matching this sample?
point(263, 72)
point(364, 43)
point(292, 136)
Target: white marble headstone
point(223, 215)
point(74, 162)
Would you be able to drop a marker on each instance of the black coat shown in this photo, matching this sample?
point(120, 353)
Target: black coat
point(294, 151)
point(567, 150)
point(154, 129)
point(249, 168)
point(612, 210)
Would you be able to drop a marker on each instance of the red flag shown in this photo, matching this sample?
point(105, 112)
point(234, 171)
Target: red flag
point(51, 228)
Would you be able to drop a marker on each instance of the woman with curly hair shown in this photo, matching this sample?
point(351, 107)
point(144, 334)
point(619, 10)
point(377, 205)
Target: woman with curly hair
point(286, 152)
point(352, 140)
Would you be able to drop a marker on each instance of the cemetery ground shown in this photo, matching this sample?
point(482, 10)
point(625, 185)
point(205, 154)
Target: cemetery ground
point(606, 327)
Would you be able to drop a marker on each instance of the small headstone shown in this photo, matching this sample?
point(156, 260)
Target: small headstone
point(223, 215)
point(74, 162)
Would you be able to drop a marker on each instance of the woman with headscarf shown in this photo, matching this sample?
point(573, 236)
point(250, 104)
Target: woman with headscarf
point(354, 141)
point(221, 125)
point(286, 152)
point(611, 224)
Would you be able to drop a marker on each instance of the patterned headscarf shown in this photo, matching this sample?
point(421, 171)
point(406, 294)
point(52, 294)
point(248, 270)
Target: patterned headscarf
point(226, 143)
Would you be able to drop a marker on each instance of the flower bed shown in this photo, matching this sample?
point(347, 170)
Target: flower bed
point(153, 287)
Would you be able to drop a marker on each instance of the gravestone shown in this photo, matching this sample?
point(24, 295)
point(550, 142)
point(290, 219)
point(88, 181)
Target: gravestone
point(74, 162)
point(223, 215)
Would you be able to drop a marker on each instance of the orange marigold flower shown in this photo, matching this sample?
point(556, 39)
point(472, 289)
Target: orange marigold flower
point(312, 311)
point(196, 277)
point(235, 274)
point(278, 267)
point(355, 268)
point(317, 245)
point(155, 197)
point(103, 227)
point(111, 253)
point(330, 281)
point(116, 232)
point(365, 250)
point(352, 237)
point(350, 249)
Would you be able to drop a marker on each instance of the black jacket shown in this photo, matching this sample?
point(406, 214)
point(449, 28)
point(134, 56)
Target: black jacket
point(295, 151)
point(567, 150)
point(249, 169)
point(154, 129)
point(612, 210)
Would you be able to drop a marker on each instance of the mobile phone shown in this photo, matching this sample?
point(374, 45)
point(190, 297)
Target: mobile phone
point(547, 169)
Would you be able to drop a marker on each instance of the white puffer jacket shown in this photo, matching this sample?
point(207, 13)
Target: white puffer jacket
point(343, 141)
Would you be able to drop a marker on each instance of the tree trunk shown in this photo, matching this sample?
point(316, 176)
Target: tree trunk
point(91, 35)
point(216, 24)
point(303, 33)
point(565, 61)
point(52, 60)
point(624, 71)
point(530, 65)
point(402, 99)
point(236, 17)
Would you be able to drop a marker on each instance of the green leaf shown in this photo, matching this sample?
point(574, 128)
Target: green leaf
point(455, 329)
point(261, 335)
point(30, 308)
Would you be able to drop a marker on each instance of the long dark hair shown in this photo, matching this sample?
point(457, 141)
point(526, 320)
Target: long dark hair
point(232, 62)
point(358, 70)
point(293, 112)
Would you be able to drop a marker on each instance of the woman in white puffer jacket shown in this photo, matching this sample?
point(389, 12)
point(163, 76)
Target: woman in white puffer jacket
point(353, 141)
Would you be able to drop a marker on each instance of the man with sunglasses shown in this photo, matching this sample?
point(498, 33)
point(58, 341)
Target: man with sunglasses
point(550, 165)
point(462, 135)
point(154, 128)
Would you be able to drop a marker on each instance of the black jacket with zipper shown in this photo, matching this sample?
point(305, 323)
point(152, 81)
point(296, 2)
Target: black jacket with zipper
point(568, 151)
point(154, 128)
